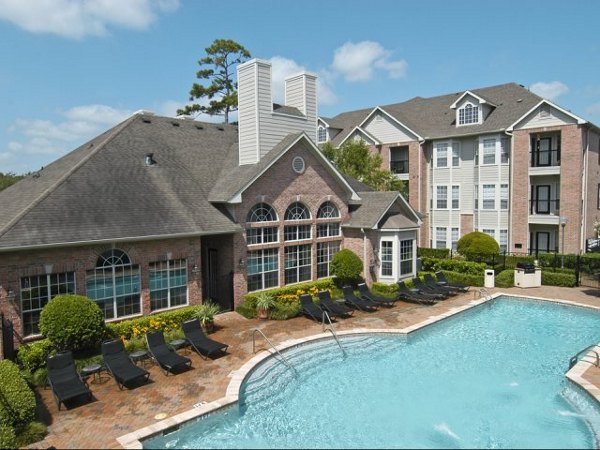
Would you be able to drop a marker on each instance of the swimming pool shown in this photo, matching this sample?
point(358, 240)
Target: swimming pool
point(492, 377)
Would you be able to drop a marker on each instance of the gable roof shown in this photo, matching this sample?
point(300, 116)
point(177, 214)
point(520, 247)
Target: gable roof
point(375, 210)
point(479, 98)
point(104, 191)
point(235, 179)
point(433, 118)
point(578, 119)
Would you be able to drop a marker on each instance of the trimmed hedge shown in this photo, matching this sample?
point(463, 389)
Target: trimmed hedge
point(453, 265)
point(558, 279)
point(165, 321)
point(440, 253)
point(7, 437)
point(505, 279)
point(73, 322)
point(18, 406)
point(32, 356)
point(346, 266)
point(464, 278)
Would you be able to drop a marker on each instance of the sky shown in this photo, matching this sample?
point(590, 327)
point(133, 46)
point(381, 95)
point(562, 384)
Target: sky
point(71, 69)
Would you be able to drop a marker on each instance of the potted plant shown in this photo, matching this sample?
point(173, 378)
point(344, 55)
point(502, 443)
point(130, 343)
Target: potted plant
point(205, 313)
point(264, 301)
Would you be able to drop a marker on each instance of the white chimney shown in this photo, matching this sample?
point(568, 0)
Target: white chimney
point(260, 128)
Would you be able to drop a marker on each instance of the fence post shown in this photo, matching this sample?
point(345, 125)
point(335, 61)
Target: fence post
point(577, 271)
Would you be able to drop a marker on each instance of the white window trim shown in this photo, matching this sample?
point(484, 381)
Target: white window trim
point(482, 152)
point(448, 155)
point(448, 194)
point(393, 261)
point(450, 204)
point(463, 107)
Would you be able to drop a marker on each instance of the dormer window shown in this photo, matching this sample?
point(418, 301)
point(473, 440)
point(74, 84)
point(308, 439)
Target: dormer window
point(321, 134)
point(468, 114)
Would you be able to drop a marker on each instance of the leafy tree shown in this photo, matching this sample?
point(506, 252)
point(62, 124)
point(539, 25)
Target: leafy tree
point(223, 55)
point(7, 179)
point(354, 158)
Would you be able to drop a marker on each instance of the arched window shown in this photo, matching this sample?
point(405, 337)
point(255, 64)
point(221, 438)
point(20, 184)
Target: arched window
point(297, 211)
point(115, 284)
point(262, 212)
point(321, 134)
point(328, 211)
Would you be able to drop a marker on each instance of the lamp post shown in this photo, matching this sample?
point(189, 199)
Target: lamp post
point(563, 223)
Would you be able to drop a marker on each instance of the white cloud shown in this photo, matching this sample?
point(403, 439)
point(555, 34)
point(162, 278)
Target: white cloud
point(76, 19)
point(357, 62)
point(593, 109)
point(550, 90)
point(36, 142)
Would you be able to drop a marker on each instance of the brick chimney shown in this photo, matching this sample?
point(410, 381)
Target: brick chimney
point(261, 127)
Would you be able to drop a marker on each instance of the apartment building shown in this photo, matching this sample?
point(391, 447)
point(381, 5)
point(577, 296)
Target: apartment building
point(499, 159)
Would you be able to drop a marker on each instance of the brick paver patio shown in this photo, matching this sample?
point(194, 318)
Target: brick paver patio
point(114, 413)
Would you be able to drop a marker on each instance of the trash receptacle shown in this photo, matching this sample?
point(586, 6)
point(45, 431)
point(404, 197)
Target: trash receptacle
point(488, 280)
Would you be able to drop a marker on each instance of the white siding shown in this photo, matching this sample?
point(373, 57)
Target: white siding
point(545, 116)
point(385, 130)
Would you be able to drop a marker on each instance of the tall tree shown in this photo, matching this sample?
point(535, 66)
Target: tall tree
point(354, 158)
point(218, 67)
point(7, 179)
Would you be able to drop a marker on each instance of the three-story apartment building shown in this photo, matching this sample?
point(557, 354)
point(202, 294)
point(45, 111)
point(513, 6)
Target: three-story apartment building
point(500, 160)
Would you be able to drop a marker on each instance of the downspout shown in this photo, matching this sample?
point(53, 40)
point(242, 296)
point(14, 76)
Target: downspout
point(365, 263)
point(421, 151)
point(509, 243)
point(586, 154)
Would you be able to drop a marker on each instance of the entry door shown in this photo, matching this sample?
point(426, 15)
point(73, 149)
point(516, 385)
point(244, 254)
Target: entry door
point(544, 152)
point(212, 289)
point(542, 196)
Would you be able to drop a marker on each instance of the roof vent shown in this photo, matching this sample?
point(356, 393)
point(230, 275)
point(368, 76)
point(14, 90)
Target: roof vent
point(175, 124)
point(150, 159)
point(519, 100)
point(220, 128)
point(146, 120)
point(200, 127)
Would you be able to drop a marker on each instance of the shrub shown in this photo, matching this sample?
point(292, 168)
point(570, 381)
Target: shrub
point(73, 322)
point(505, 279)
point(440, 253)
point(32, 356)
point(284, 311)
point(385, 289)
point(477, 246)
point(464, 278)
point(17, 407)
point(206, 312)
point(346, 266)
point(32, 432)
point(164, 322)
point(558, 279)
point(7, 437)
point(453, 265)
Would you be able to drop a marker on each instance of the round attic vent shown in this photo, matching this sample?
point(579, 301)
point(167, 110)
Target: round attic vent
point(298, 164)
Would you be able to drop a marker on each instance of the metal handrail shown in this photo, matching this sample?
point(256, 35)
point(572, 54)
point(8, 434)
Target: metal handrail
point(481, 291)
point(283, 358)
point(332, 330)
point(588, 349)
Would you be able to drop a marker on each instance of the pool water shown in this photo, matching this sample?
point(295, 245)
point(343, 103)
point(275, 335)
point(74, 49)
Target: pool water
point(492, 377)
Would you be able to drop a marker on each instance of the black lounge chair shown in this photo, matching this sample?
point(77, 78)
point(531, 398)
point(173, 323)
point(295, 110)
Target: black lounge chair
point(119, 364)
point(310, 309)
point(428, 290)
point(204, 346)
point(378, 299)
point(64, 380)
point(442, 281)
point(413, 295)
point(357, 302)
point(164, 354)
point(333, 308)
point(430, 281)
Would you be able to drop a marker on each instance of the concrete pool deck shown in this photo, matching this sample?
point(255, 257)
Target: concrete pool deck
point(114, 414)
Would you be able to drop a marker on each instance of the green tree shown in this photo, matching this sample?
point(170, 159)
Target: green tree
point(7, 179)
point(477, 246)
point(354, 158)
point(218, 67)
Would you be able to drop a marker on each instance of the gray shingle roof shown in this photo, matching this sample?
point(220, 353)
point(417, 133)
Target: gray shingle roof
point(373, 208)
point(104, 190)
point(433, 118)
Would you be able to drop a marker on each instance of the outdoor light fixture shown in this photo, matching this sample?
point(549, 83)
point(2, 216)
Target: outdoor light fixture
point(242, 263)
point(195, 269)
point(10, 294)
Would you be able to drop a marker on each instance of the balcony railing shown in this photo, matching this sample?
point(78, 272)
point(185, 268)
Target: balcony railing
point(551, 207)
point(545, 158)
point(399, 166)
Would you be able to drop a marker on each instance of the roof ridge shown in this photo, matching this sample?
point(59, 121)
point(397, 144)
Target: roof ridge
point(116, 130)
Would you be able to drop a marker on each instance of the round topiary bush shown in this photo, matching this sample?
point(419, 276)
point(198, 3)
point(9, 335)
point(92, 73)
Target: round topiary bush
point(17, 407)
point(72, 322)
point(477, 245)
point(346, 266)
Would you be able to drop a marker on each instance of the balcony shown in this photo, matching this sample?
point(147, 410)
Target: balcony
point(544, 162)
point(545, 212)
point(400, 169)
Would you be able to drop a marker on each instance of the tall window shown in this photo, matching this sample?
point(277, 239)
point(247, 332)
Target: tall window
point(441, 155)
point(261, 212)
point(297, 263)
point(37, 291)
point(476, 197)
point(440, 237)
point(321, 134)
point(442, 197)
point(504, 196)
point(455, 197)
point(325, 253)
point(387, 258)
point(297, 211)
point(490, 232)
point(406, 257)
point(503, 240)
point(504, 151)
point(328, 229)
point(489, 151)
point(115, 285)
point(168, 284)
point(489, 196)
point(454, 238)
point(469, 114)
point(455, 154)
point(263, 269)
point(399, 159)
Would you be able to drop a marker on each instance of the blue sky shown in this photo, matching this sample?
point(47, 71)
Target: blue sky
point(73, 68)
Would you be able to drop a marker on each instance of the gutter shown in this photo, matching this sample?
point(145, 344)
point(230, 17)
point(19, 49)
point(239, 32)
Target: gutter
point(509, 242)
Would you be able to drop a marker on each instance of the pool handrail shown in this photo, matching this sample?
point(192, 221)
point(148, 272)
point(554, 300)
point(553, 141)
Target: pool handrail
point(588, 349)
point(283, 358)
point(332, 331)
